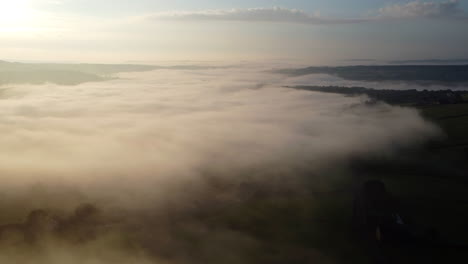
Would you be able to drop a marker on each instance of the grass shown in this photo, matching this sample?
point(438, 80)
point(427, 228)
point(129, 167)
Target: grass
point(431, 195)
point(453, 119)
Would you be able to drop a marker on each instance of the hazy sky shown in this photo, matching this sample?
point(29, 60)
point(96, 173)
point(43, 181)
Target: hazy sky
point(316, 32)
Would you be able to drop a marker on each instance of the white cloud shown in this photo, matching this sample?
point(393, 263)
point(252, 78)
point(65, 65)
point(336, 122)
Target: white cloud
point(274, 14)
point(416, 9)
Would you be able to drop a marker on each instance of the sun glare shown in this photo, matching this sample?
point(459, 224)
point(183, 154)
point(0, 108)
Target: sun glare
point(15, 13)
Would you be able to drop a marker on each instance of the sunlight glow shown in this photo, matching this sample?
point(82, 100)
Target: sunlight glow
point(15, 13)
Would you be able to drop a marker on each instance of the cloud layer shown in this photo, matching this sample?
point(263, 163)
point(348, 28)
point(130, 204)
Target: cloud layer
point(275, 14)
point(171, 139)
point(415, 9)
point(165, 123)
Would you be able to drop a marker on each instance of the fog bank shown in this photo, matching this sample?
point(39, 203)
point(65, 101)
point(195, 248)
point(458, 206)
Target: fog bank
point(136, 146)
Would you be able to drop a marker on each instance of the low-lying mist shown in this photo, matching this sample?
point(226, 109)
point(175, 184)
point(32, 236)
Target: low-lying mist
point(125, 171)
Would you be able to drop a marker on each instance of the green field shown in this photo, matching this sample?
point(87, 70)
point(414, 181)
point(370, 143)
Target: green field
point(315, 226)
point(453, 118)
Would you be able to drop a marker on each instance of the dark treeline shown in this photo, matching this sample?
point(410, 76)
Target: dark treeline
point(399, 97)
point(424, 74)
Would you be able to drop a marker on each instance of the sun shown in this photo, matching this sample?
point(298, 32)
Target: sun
point(14, 12)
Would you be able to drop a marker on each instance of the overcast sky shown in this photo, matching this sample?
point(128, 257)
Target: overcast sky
point(315, 32)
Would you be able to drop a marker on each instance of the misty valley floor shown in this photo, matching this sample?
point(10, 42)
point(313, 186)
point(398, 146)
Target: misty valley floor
point(207, 165)
point(233, 132)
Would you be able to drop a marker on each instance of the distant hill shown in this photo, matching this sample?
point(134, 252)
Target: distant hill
point(64, 74)
point(432, 61)
point(44, 76)
point(98, 69)
point(73, 74)
point(423, 74)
